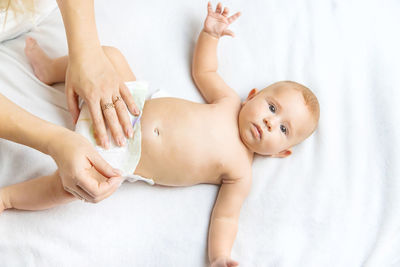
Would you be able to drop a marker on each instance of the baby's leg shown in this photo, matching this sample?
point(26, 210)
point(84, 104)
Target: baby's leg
point(119, 63)
point(52, 70)
point(48, 70)
point(37, 194)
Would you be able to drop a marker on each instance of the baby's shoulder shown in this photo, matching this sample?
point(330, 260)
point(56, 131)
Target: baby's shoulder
point(229, 102)
point(238, 168)
point(237, 158)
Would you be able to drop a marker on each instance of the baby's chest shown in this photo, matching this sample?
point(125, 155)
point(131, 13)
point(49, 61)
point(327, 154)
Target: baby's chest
point(197, 147)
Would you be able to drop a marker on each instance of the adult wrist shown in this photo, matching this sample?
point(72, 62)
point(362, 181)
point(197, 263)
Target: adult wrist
point(53, 139)
point(78, 53)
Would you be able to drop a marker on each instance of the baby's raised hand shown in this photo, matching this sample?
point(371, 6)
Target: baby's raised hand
point(224, 262)
point(217, 22)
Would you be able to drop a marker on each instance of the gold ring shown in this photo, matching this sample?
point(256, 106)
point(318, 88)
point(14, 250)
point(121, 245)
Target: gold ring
point(107, 106)
point(118, 98)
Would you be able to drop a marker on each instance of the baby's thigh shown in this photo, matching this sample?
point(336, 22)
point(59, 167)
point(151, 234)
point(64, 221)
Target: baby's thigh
point(120, 64)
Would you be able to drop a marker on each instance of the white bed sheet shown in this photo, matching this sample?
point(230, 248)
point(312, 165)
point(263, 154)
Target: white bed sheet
point(334, 202)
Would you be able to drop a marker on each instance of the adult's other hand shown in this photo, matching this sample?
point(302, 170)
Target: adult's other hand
point(84, 173)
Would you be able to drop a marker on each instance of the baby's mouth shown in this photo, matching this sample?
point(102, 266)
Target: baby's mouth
point(257, 131)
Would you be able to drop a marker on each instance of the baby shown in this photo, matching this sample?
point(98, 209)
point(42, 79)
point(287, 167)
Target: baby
point(182, 143)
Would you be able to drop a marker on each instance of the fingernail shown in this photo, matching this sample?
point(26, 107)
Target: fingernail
point(105, 143)
point(130, 132)
point(136, 111)
point(121, 141)
point(117, 172)
point(116, 181)
point(74, 119)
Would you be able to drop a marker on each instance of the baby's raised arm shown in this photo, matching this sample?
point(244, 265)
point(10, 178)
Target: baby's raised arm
point(205, 62)
point(225, 219)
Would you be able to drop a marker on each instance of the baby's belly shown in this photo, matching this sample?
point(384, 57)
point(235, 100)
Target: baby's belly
point(174, 147)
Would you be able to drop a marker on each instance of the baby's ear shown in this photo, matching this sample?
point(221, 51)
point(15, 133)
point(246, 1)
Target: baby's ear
point(282, 154)
point(251, 94)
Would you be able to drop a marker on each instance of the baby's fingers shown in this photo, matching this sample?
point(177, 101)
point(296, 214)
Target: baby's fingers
point(209, 7)
point(228, 32)
point(234, 17)
point(225, 12)
point(232, 263)
point(219, 8)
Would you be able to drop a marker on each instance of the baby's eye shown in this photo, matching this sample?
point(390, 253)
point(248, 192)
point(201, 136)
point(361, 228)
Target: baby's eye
point(272, 108)
point(283, 129)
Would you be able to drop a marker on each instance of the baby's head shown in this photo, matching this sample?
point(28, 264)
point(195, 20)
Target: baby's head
point(277, 118)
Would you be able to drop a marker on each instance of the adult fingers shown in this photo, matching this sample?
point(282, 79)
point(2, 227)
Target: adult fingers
point(116, 184)
point(98, 123)
point(73, 193)
point(123, 116)
point(111, 184)
point(73, 104)
point(128, 99)
point(102, 166)
point(79, 193)
point(234, 17)
point(111, 118)
point(96, 185)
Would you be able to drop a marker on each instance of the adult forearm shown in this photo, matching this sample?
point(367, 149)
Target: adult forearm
point(80, 26)
point(205, 54)
point(221, 237)
point(20, 126)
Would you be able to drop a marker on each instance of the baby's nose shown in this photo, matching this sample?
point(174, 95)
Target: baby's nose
point(268, 124)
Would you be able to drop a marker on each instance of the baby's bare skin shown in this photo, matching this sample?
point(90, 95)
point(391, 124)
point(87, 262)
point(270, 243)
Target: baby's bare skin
point(186, 143)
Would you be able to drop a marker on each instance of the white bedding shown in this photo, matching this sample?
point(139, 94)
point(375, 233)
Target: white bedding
point(334, 202)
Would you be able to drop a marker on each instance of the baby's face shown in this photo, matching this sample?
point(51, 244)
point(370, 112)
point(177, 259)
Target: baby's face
point(273, 120)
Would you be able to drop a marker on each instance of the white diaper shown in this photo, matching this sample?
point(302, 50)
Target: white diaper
point(124, 158)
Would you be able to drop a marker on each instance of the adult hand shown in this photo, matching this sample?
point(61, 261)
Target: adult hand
point(91, 76)
point(84, 173)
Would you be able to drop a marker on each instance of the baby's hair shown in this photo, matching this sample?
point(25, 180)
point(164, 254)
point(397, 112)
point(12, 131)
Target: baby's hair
point(310, 99)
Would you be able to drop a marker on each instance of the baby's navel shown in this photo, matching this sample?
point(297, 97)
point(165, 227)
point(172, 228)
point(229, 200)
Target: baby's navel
point(156, 131)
